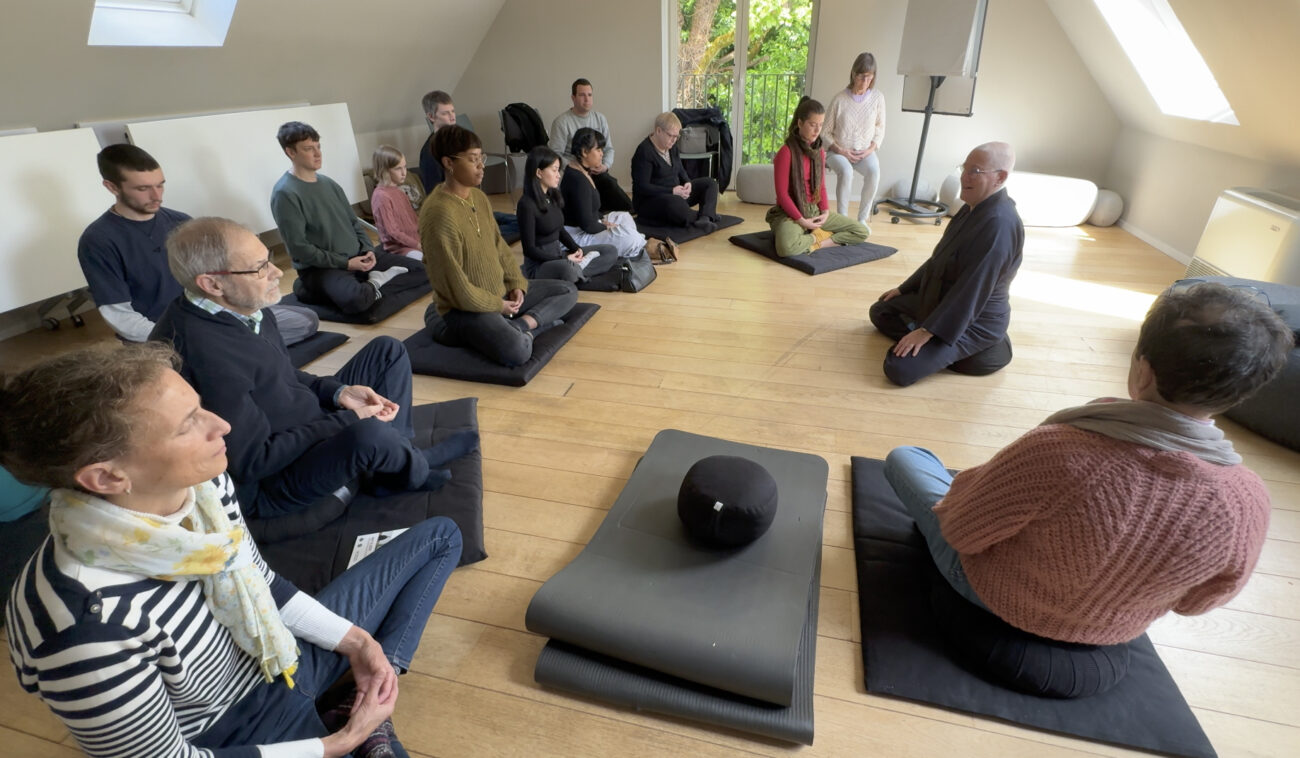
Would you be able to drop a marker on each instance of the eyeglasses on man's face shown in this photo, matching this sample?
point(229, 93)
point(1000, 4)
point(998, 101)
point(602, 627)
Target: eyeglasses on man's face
point(259, 272)
point(1254, 293)
point(975, 170)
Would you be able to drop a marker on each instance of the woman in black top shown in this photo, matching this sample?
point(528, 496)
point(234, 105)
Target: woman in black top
point(549, 251)
point(662, 193)
point(582, 219)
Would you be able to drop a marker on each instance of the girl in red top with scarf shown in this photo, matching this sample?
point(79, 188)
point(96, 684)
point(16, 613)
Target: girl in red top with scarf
point(801, 220)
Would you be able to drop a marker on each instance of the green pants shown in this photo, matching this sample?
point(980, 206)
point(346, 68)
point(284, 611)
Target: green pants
point(792, 239)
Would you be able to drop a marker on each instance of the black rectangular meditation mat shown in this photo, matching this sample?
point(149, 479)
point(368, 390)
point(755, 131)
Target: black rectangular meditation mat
point(818, 261)
point(435, 359)
point(903, 653)
point(313, 547)
point(649, 619)
point(683, 234)
point(399, 293)
point(308, 350)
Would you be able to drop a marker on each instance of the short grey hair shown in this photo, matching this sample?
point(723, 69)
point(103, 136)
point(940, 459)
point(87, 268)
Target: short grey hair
point(200, 246)
point(1001, 155)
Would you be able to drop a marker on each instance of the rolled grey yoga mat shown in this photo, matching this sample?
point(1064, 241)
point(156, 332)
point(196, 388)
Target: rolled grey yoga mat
point(642, 593)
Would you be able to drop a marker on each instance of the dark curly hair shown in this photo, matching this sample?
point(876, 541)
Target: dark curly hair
point(1212, 346)
point(77, 409)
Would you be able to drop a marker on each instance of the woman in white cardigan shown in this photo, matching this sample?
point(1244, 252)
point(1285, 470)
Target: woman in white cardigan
point(855, 127)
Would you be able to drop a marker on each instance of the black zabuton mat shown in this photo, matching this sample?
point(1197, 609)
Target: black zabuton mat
point(435, 359)
point(313, 547)
point(818, 261)
point(903, 652)
point(681, 234)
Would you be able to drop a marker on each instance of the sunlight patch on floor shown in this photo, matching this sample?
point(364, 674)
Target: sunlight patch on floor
point(1084, 296)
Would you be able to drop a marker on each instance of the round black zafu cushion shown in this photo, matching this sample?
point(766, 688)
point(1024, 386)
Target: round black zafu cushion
point(1019, 660)
point(726, 501)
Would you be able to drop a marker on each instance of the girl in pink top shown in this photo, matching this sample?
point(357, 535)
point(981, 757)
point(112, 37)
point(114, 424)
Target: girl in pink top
point(399, 230)
point(801, 220)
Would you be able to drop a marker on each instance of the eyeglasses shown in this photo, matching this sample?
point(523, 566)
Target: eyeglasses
point(672, 135)
point(1254, 293)
point(473, 160)
point(976, 171)
point(259, 272)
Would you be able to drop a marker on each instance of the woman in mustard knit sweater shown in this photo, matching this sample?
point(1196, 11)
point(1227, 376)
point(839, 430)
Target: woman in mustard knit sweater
point(481, 299)
point(1107, 516)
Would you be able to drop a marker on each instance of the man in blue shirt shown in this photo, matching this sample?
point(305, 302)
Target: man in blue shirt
point(123, 258)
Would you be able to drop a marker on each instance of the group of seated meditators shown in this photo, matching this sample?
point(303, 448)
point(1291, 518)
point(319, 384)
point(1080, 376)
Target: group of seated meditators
point(1108, 515)
point(147, 620)
point(122, 255)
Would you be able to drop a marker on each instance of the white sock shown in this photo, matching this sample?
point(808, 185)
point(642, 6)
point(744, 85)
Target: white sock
point(380, 278)
point(416, 254)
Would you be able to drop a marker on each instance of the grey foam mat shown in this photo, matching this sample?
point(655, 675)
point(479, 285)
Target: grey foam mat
point(682, 234)
point(818, 261)
point(904, 656)
point(435, 359)
point(641, 593)
point(584, 673)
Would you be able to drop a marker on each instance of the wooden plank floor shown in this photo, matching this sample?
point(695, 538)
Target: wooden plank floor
point(729, 344)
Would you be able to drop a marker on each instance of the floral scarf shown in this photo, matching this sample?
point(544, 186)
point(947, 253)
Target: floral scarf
point(199, 543)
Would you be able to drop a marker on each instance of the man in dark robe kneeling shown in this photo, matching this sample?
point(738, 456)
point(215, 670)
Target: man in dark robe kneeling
point(953, 311)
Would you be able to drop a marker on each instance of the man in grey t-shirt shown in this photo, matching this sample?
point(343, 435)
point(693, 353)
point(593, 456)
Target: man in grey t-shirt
point(612, 196)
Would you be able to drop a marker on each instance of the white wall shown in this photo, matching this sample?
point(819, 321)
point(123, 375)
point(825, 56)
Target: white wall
point(1033, 91)
point(1170, 186)
point(534, 50)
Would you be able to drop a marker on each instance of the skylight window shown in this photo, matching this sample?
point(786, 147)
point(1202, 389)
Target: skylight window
point(1170, 65)
point(161, 23)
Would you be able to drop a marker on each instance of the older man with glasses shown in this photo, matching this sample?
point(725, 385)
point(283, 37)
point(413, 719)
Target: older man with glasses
point(953, 311)
point(662, 193)
point(294, 437)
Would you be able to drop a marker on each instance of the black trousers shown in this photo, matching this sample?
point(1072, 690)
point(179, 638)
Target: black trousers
point(671, 210)
point(369, 447)
point(969, 354)
point(612, 196)
point(499, 339)
point(349, 291)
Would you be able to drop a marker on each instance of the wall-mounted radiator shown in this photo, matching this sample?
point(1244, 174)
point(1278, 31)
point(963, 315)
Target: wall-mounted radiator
point(1252, 234)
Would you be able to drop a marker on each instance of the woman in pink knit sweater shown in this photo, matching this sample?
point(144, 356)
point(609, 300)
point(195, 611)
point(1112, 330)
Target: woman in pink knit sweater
point(1094, 524)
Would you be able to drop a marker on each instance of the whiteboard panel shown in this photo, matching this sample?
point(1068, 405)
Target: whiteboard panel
point(942, 37)
point(955, 97)
point(50, 190)
point(226, 164)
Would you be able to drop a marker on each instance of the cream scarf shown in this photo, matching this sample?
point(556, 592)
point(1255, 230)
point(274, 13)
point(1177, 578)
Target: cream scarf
point(199, 543)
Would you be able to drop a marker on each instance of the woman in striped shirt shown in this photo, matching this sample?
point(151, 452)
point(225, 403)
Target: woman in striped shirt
point(148, 621)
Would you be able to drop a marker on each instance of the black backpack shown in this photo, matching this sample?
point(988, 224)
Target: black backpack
point(522, 127)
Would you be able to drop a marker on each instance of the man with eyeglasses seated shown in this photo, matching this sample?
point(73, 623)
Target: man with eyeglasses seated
point(953, 311)
point(122, 255)
point(481, 299)
point(294, 437)
point(337, 264)
point(662, 193)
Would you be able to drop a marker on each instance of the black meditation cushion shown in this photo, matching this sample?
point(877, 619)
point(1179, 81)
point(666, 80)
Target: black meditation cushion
point(726, 501)
point(1019, 660)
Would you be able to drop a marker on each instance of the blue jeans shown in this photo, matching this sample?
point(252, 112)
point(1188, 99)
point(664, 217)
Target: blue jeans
point(920, 480)
point(390, 594)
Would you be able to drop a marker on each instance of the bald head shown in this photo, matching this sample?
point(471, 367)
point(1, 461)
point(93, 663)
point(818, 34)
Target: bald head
point(985, 171)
